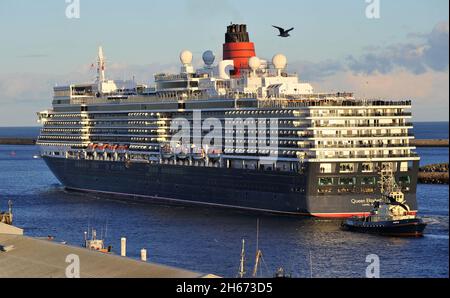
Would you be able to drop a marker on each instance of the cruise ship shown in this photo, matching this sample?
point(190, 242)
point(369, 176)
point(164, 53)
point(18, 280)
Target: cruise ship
point(241, 132)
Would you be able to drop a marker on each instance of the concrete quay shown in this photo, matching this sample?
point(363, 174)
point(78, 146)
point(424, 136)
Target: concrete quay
point(22, 256)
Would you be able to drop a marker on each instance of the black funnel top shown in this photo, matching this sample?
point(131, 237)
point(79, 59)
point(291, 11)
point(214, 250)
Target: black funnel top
point(237, 33)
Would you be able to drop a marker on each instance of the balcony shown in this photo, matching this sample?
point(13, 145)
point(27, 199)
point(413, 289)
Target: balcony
point(362, 146)
point(374, 135)
point(407, 124)
point(369, 156)
point(349, 115)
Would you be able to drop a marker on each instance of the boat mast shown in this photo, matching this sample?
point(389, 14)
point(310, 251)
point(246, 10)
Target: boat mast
point(257, 261)
point(258, 251)
point(241, 273)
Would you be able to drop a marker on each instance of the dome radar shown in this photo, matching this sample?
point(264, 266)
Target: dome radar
point(279, 61)
point(208, 58)
point(254, 63)
point(186, 57)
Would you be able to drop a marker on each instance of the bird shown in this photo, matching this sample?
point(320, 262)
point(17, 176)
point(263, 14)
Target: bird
point(283, 32)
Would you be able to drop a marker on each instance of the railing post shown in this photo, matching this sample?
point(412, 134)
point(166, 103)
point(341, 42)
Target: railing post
point(123, 246)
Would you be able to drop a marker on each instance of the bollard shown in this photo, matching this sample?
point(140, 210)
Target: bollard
point(123, 246)
point(143, 255)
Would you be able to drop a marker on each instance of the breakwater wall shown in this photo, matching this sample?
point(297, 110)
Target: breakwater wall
point(434, 174)
point(17, 141)
point(430, 142)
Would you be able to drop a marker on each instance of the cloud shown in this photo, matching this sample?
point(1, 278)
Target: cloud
point(317, 71)
point(27, 87)
point(429, 91)
point(417, 70)
point(431, 53)
point(436, 55)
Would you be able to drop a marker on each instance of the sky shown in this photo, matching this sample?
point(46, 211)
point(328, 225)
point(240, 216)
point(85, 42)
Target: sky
point(402, 53)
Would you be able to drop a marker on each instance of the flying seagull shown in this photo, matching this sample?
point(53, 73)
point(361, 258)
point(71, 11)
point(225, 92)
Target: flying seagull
point(283, 33)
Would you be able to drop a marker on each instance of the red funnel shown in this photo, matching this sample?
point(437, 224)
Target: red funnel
point(237, 47)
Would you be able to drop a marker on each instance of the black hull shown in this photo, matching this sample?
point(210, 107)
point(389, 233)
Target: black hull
point(399, 228)
point(266, 191)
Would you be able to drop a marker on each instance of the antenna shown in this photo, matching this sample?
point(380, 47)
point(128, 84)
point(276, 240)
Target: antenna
point(100, 66)
point(88, 228)
point(106, 229)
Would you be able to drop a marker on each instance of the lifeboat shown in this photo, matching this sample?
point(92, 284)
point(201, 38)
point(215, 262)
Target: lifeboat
point(154, 158)
point(197, 153)
point(101, 147)
point(214, 154)
point(182, 152)
point(121, 148)
point(111, 148)
point(91, 147)
point(166, 151)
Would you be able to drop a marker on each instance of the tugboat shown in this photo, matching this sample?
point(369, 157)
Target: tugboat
point(390, 216)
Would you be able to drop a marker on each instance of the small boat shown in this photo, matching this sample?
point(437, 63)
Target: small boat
point(214, 154)
point(7, 216)
point(197, 153)
point(181, 151)
point(390, 216)
point(167, 151)
point(95, 244)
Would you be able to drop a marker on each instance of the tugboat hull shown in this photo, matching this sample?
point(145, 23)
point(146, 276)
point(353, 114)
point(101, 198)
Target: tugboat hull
point(401, 228)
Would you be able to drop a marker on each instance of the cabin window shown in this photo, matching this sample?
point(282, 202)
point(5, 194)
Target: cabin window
point(388, 166)
point(367, 167)
point(347, 181)
point(325, 168)
point(404, 166)
point(325, 181)
point(368, 181)
point(404, 179)
point(410, 165)
point(346, 167)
